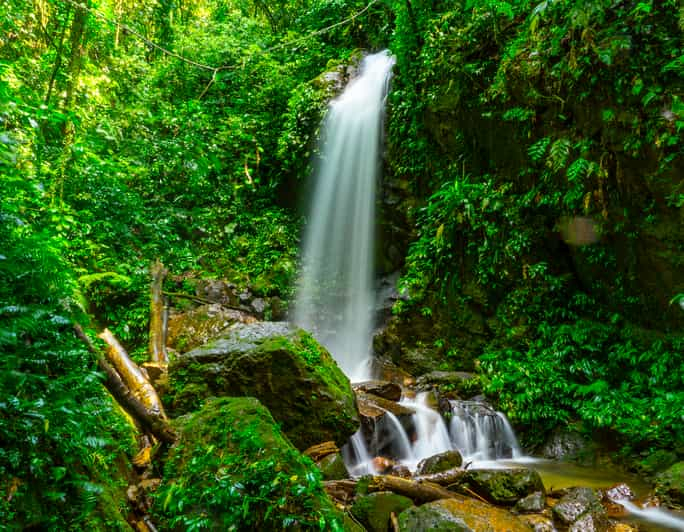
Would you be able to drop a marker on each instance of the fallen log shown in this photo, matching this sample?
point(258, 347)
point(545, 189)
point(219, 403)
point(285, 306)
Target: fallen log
point(444, 478)
point(416, 490)
point(157, 348)
point(340, 490)
point(131, 374)
point(149, 420)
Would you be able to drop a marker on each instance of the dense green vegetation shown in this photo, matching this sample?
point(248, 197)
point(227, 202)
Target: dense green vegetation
point(519, 128)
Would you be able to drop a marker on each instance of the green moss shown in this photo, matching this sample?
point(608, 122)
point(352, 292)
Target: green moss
point(233, 469)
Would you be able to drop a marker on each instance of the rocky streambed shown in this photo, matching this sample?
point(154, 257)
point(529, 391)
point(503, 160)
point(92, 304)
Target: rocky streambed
point(245, 393)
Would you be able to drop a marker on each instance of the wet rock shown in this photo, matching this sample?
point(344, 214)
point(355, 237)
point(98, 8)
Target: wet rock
point(379, 428)
point(217, 291)
point(191, 329)
point(504, 486)
point(383, 465)
point(670, 485)
point(459, 514)
point(459, 382)
point(388, 371)
point(374, 510)
point(332, 467)
point(400, 471)
point(439, 462)
point(619, 492)
point(533, 503)
point(258, 305)
point(420, 360)
point(284, 367)
point(386, 390)
point(581, 507)
point(538, 523)
point(564, 444)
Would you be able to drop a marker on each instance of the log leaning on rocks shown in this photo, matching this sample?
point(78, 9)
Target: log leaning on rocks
point(151, 418)
point(419, 491)
point(444, 478)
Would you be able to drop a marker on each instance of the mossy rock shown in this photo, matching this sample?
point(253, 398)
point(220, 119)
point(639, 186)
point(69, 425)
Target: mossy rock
point(332, 467)
point(440, 462)
point(459, 515)
point(670, 485)
point(374, 510)
point(504, 486)
point(233, 467)
point(284, 367)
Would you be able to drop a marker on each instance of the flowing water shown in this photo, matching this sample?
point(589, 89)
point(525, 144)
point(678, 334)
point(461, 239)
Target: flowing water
point(335, 299)
point(335, 296)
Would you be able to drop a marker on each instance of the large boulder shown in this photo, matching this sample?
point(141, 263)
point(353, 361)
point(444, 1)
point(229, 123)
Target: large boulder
point(670, 485)
point(385, 389)
point(566, 444)
point(333, 467)
point(459, 515)
point(191, 329)
point(504, 486)
point(581, 510)
point(439, 462)
point(233, 469)
point(285, 368)
point(373, 510)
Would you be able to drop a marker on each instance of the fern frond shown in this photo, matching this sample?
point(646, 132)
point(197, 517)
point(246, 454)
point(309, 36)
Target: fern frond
point(537, 150)
point(558, 154)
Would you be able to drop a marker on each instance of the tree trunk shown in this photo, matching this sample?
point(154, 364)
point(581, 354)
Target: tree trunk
point(78, 27)
point(321, 450)
point(151, 421)
point(157, 347)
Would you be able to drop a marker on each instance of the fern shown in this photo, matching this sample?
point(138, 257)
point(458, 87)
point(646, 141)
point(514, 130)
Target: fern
point(537, 150)
point(578, 170)
point(558, 154)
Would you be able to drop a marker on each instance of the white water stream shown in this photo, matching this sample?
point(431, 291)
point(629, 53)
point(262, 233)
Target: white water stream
point(335, 295)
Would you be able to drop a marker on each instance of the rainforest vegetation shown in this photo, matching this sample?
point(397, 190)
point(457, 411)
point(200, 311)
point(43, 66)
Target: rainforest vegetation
point(532, 200)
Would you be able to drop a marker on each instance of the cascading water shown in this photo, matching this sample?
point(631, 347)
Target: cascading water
point(481, 433)
point(335, 294)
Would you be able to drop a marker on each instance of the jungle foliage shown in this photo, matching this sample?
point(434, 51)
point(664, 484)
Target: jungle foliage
point(183, 134)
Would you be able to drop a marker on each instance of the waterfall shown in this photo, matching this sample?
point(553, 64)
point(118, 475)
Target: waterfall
point(481, 433)
point(432, 436)
point(335, 295)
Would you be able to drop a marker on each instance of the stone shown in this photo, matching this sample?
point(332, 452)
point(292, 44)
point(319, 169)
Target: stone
point(386, 390)
point(420, 360)
point(533, 503)
point(538, 523)
point(380, 427)
point(459, 515)
point(332, 467)
point(220, 449)
point(619, 492)
point(577, 505)
point(374, 510)
point(284, 367)
point(439, 462)
point(504, 486)
point(564, 444)
point(191, 329)
point(670, 485)
point(217, 291)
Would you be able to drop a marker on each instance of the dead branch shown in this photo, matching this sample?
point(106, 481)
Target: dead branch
point(321, 450)
point(444, 478)
point(416, 490)
point(156, 346)
point(150, 421)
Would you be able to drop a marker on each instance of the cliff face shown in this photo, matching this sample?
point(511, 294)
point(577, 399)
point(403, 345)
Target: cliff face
point(572, 114)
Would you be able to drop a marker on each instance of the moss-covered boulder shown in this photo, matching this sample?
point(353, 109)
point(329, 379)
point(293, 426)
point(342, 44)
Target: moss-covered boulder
point(670, 485)
point(332, 467)
point(284, 367)
point(459, 515)
point(233, 469)
point(374, 510)
point(504, 486)
point(439, 462)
